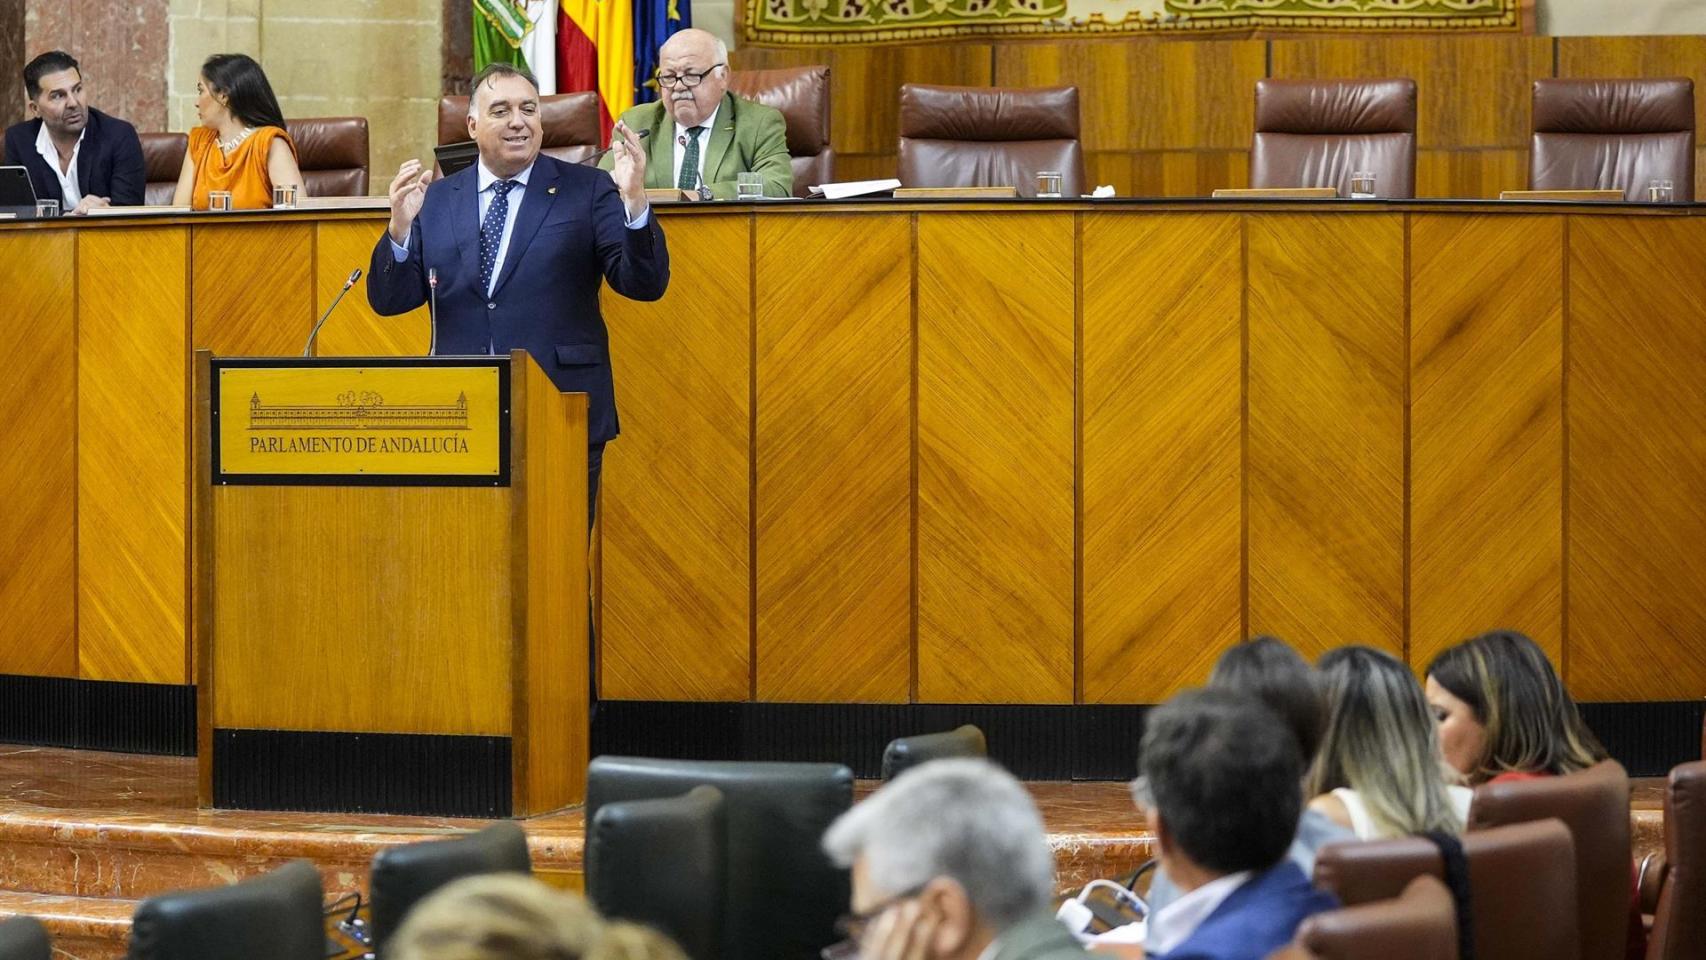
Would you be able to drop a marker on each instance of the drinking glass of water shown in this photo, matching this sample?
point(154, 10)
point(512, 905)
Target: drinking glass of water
point(1362, 185)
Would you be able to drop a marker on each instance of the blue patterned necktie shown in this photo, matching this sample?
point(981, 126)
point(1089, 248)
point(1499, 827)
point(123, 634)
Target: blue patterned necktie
point(492, 231)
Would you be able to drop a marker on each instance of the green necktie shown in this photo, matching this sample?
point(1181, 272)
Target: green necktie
point(689, 178)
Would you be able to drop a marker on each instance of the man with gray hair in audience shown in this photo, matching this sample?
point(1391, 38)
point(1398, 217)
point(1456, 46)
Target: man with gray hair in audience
point(949, 862)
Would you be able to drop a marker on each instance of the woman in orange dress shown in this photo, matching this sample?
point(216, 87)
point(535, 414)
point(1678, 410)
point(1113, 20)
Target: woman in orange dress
point(241, 147)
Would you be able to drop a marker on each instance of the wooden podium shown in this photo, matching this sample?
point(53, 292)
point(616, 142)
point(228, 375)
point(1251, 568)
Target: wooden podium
point(389, 585)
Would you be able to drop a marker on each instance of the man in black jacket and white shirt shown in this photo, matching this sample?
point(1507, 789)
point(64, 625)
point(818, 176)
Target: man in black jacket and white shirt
point(74, 153)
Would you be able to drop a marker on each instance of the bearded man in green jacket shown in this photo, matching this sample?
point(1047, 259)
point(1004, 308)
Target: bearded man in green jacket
point(700, 133)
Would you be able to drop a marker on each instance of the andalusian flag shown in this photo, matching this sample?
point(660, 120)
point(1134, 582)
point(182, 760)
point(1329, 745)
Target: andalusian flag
point(595, 51)
point(500, 28)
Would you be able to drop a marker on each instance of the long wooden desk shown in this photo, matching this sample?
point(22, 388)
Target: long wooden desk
point(992, 453)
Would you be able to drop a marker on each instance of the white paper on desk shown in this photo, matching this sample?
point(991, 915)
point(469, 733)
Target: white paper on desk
point(132, 211)
point(853, 188)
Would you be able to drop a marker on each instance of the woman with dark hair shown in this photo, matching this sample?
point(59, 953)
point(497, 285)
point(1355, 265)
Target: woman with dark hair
point(241, 147)
point(1504, 714)
point(1267, 670)
point(1380, 771)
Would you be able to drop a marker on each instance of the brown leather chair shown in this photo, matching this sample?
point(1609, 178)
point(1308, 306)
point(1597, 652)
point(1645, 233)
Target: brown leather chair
point(1679, 923)
point(162, 161)
point(802, 94)
point(569, 122)
point(332, 153)
point(1316, 133)
point(1522, 884)
point(989, 137)
point(1594, 804)
point(1613, 135)
point(1419, 924)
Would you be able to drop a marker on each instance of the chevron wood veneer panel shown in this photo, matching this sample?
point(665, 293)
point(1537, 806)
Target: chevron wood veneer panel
point(132, 440)
point(676, 489)
point(1161, 420)
point(995, 458)
point(354, 330)
point(38, 473)
point(1637, 468)
point(254, 288)
point(834, 473)
point(1325, 441)
point(1486, 429)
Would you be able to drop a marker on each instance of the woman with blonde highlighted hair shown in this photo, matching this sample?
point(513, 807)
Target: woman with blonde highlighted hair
point(511, 916)
point(1380, 771)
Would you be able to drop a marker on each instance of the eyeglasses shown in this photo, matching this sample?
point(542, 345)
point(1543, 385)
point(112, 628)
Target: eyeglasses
point(851, 926)
point(686, 78)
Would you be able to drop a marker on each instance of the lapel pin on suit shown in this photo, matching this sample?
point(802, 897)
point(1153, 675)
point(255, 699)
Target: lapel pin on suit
point(551, 190)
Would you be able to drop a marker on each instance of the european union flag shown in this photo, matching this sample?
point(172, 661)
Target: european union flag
point(654, 22)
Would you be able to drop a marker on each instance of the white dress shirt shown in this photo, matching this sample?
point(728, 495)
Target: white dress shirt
point(71, 192)
point(680, 148)
point(1174, 923)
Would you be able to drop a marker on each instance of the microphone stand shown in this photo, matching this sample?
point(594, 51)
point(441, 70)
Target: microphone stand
point(432, 310)
point(309, 346)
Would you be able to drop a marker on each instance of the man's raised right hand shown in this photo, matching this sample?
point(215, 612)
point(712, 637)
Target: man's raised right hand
point(408, 192)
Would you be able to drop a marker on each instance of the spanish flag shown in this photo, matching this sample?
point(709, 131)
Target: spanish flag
point(595, 51)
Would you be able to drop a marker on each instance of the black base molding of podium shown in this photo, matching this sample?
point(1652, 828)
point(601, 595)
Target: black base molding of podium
point(1046, 742)
point(421, 774)
point(156, 718)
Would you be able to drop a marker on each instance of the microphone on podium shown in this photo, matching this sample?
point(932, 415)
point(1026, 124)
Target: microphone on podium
point(638, 135)
point(354, 275)
point(432, 311)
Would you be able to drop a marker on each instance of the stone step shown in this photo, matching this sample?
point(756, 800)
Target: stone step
point(100, 853)
point(83, 928)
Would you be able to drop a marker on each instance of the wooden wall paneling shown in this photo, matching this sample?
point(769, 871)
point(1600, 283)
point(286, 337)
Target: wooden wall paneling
point(1325, 436)
point(1147, 94)
point(1470, 173)
point(676, 489)
point(995, 499)
point(354, 330)
point(834, 471)
point(254, 288)
point(1637, 467)
point(865, 83)
point(1486, 429)
point(132, 443)
point(1161, 409)
point(1169, 173)
point(1473, 91)
point(303, 597)
point(38, 474)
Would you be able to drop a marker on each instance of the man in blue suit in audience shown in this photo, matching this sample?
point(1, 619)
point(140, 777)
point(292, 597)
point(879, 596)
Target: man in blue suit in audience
point(1220, 787)
point(520, 245)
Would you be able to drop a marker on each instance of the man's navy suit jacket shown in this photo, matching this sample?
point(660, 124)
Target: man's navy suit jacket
point(570, 234)
point(109, 162)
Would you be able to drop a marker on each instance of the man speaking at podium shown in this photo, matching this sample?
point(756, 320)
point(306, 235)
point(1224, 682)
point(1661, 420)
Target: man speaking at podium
point(511, 250)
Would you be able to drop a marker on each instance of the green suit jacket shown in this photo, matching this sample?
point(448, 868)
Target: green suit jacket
point(750, 138)
point(1040, 937)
